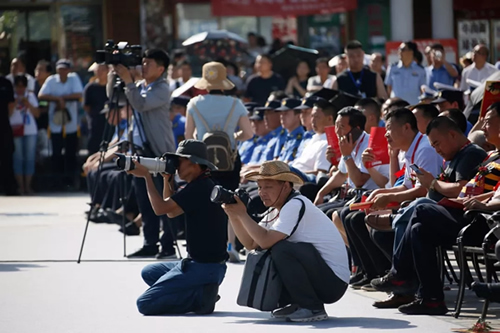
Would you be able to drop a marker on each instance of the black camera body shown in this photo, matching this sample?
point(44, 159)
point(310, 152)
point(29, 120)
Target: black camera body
point(221, 195)
point(165, 164)
point(122, 53)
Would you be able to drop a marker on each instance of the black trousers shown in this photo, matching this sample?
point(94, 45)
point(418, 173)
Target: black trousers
point(430, 226)
point(7, 179)
point(150, 221)
point(384, 240)
point(372, 259)
point(64, 165)
point(97, 185)
point(309, 282)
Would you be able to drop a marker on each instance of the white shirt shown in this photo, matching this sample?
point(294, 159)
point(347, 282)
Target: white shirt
point(313, 157)
point(314, 82)
point(31, 81)
point(22, 115)
point(177, 83)
point(357, 152)
point(475, 74)
point(315, 228)
point(53, 86)
point(424, 157)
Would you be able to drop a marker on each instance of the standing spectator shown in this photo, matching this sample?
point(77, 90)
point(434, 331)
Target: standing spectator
point(339, 64)
point(480, 70)
point(358, 80)
point(440, 70)
point(185, 73)
point(23, 124)
point(466, 60)
point(7, 105)
point(63, 90)
point(254, 49)
point(406, 78)
point(43, 70)
point(297, 84)
point(315, 83)
point(18, 67)
point(94, 99)
point(427, 54)
point(260, 85)
point(377, 64)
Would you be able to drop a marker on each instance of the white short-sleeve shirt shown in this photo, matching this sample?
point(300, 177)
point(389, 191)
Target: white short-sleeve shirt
point(315, 228)
point(424, 156)
point(22, 115)
point(313, 157)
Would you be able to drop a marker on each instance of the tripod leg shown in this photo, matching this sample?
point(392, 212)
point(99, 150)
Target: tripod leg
point(123, 200)
point(84, 234)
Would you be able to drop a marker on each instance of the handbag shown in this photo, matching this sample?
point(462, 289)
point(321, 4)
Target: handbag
point(261, 285)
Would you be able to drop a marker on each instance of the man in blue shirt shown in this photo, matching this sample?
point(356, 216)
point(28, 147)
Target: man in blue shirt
point(178, 117)
point(440, 70)
point(262, 137)
point(245, 148)
point(287, 149)
point(405, 78)
point(306, 119)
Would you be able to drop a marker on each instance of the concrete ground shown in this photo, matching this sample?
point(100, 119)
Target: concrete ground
point(43, 289)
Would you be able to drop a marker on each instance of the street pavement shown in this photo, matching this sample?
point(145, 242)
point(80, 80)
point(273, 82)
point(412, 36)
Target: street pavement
point(43, 289)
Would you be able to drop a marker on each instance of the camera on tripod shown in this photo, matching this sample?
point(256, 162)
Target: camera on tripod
point(164, 164)
point(221, 195)
point(122, 53)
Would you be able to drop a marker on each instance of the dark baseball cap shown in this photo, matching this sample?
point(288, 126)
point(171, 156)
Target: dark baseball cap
point(180, 100)
point(270, 105)
point(63, 63)
point(307, 103)
point(289, 104)
point(258, 115)
point(250, 106)
point(448, 96)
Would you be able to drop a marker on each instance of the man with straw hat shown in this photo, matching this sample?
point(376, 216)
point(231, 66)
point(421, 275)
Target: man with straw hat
point(309, 255)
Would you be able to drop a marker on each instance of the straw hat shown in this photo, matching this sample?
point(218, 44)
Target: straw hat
point(275, 170)
point(214, 77)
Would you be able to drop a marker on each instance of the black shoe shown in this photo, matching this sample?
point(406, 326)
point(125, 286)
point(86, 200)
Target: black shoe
point(489, 291)
point(390, 283)
point(209, 298)
point(144, 252)
point(423, 307)
point(365, 280)
point(394, 301)
point(115, 218)
point(360, 275)
point(99, 216)
point(131, 229)
point(166, 255)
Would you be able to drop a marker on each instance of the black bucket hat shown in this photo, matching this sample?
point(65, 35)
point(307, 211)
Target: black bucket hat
point(195, 151)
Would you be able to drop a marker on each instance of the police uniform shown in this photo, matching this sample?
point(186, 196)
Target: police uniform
point(288, 146)
point(406, 81)
point(246, 148)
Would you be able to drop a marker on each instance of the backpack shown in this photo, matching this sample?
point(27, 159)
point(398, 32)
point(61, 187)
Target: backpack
point(219, 148)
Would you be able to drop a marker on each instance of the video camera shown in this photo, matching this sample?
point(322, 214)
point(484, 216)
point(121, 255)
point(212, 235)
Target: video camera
point(164, 164)
point(221, 195)
point(121, 53)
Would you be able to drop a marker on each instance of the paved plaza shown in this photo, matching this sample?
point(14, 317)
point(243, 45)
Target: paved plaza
point(43, 289)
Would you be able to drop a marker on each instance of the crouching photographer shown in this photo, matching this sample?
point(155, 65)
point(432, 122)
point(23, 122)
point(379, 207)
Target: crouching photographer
point(192, 284)
point(307, 252)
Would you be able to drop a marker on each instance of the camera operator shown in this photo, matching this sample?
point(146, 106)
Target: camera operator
point(189, 285)
point(312, 263)
point(153, 133)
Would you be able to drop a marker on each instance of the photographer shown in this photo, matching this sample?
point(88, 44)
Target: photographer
point(153, 134)
point(312, 263)
point(189, 285)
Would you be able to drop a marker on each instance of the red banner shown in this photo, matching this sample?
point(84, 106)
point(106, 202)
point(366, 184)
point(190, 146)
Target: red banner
point(280, 7)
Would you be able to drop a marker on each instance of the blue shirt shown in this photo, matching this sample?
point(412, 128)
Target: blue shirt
point(275, 137)
point(440, 75)
point(246, 149)
point(178, 126)
point(381, 123)
point(406, 81)
point(307, 136)
point(287, 151)
point(260, 148)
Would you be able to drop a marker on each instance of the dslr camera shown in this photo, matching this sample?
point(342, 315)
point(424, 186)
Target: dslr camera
point(164, 164)
point(122, 53)
point(221, 195)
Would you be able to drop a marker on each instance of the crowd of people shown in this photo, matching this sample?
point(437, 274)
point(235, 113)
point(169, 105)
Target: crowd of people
point(273, 139)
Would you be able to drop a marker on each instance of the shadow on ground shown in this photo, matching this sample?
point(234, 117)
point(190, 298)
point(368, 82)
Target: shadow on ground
point(15, 267)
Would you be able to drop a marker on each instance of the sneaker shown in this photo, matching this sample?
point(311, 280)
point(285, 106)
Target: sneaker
point(358, 276)
point(305, 315)
point(365, 280)
point(209, 298)
point(394, 301)
point(166, 255)
point(423, 307)
point(234, 256)
point(390, 283)
point(284, 311)
point(144, 252)
point(368, 287)
point(131, 229)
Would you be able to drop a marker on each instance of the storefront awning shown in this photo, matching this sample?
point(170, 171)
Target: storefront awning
point(280, 7)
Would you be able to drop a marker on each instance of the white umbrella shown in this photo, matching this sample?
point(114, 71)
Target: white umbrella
point(214, 34)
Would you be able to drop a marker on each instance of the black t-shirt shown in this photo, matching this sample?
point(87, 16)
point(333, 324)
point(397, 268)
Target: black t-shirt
point(367, 78)
point(6, 97)
point(258, 88)
point(463, 167)
point(94, 96)
point(206, 222)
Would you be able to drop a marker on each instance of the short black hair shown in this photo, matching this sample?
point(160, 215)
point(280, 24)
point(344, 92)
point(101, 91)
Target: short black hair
point(443, 124)
point(354, 45)
point(21, 79)
point(266, 56)
point(160, 56)
point(356, 117)
point(185, 63)
point(403, 116)
point(327, 108)
point(250, 34)
point(429, 111)
point(371, 104)
point(397, 102)
point(495, 106)
point(46, 64)
point(412, 46)
point(458, 117)
point(437, 46)
point(322, 60)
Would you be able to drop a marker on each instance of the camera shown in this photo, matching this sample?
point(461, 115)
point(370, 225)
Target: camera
point(221, 195)
point(121, 53)
point(165, 164)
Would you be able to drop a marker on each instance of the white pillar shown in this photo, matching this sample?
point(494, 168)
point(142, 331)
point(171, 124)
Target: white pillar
point(442, 19)
point(402, 20)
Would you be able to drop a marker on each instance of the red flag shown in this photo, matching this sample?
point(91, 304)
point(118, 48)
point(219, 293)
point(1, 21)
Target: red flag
point(491, 95)
point(378, 144)
point(333, 141)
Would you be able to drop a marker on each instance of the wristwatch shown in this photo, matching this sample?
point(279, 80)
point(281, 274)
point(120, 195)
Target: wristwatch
point(346, 158)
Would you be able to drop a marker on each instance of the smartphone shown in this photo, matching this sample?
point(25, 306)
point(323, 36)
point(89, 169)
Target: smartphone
point(356, 133)
point(415, 168)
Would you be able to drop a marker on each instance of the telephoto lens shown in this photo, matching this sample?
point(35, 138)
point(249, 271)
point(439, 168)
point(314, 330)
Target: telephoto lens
point(154, 165)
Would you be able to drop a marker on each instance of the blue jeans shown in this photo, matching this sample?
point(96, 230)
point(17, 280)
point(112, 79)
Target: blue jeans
point(403, 218)
point(24, 155)
point(177, 287)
